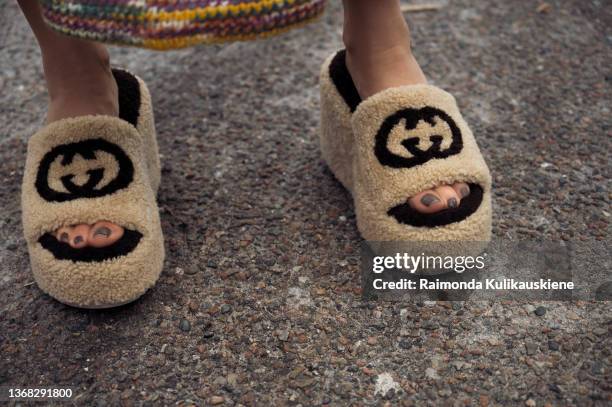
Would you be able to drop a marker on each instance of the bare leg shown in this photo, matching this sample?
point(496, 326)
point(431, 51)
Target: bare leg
point(379, 56)
point(79, 82)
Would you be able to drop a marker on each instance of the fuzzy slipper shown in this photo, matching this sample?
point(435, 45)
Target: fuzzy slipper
point(89, 169)
point(395, 144)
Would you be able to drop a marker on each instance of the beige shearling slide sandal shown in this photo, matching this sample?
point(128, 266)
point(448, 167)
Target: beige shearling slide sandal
point(88, 169)
point(396, 144)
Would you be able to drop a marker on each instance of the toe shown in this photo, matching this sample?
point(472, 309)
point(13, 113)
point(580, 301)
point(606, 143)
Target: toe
point(104, 234)
point(449, 196)
point(63, 234)
point(462, 189)
point(78, 236)
point(427, 201)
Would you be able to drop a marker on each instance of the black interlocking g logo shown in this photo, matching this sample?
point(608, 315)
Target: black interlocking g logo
point(86, 149)
point(418, 156)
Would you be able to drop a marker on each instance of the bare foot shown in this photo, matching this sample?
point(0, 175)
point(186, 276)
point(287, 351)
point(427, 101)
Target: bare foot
point(80, 82)
point(383, 59)
point(84, 87)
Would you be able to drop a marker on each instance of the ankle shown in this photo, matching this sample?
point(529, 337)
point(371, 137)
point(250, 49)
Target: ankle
point(70, 104)
point(380, 69)
point(80, 82)
point(377, 41)
point(391, 55)
point(363, 32)
point(73, 62)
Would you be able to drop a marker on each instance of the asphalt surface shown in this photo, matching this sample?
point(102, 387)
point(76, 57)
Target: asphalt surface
point(259, 301)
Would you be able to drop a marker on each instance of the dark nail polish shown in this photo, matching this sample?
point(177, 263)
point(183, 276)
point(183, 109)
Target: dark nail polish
point(429, 199)
point(452, 203)
point(104, 231)
point(78, 239)
point(465, 191)
point(64, 237)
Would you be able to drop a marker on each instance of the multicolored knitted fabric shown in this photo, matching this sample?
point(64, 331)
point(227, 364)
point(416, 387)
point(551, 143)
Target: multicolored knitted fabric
point(170, 24)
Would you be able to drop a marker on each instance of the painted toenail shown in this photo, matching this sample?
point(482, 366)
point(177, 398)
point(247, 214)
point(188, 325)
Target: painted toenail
point(465, 191)
point(78, 239)
point(104, 231)
point(452, 203)
point(429, 199)
point(64, 237)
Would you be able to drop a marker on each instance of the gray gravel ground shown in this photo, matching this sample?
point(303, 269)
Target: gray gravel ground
point(259, 301)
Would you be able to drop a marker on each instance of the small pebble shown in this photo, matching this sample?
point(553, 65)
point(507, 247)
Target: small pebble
point(404, 344)
point(540, 311)
point(283, 335)
point(216, 400)
point(600, 331)
point(226, 308)
point(185, 325)
point(531, 348)
point(597, 368)
point(552, 345)
point(220, 381)
point(192, 270)
point(431, 373)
